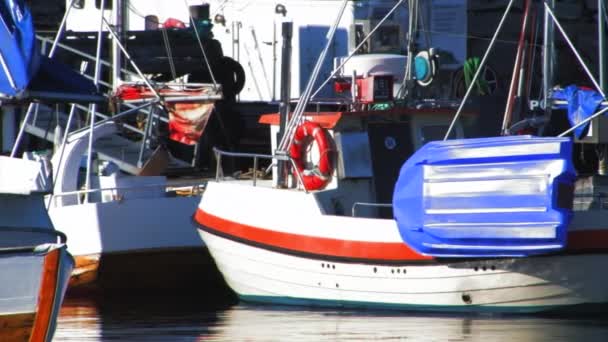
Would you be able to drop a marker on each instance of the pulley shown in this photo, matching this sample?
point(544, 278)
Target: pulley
point(425, 67)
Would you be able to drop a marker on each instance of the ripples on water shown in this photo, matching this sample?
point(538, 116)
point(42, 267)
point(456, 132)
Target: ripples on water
point(184, 320)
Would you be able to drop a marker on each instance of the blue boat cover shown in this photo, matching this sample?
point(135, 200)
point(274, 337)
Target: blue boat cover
point(488, 197)
point(582, 103)
point(19, 55)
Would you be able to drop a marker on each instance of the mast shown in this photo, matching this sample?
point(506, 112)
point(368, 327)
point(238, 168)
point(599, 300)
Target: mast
point(287, 31)
point(601, 36)
point(548, 51)
point(601, 28)
point(408, 85)
point(120, 19)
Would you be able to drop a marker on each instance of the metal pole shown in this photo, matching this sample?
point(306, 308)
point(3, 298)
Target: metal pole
point(601, 33)
point(34, 106)
point(94, 105)
point(407, 84)
point(256, 47)
point(116, 55)
point(124, 51)
point(301, 106)
point(584, 121)
point(514, 87)
point(548, 50)
point(479, 69)
point(61, 28)
point(144, 141)
point(274, 60)
point(601, 28)
point(578, 55)
point(287, 31)
point(83, 67)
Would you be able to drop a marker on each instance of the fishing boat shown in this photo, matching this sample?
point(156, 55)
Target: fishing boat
point(35, 263)
point(397, 209)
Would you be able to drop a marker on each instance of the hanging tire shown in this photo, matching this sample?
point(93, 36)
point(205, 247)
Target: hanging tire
point(232, 76)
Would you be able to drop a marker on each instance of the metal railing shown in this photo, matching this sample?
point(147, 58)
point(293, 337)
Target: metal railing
point(195, 188)
point(219, 174)
point(368, 204)
point(132, 107)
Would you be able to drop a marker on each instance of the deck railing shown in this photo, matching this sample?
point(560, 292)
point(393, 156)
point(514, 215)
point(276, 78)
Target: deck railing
point(195, 188)
point(219, 174)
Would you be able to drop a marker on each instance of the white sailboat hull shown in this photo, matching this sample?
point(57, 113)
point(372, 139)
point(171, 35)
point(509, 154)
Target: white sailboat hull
point(152, 240)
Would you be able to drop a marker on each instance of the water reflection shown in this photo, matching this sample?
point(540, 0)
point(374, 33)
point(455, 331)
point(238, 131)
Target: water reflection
point(184, 319)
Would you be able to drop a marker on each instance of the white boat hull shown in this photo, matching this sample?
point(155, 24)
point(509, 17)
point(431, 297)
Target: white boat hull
point(298, 255)
point(134, 245)
point(507, 285)
point(127, 226)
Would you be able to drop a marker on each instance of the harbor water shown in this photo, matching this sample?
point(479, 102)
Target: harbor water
point(184, 319)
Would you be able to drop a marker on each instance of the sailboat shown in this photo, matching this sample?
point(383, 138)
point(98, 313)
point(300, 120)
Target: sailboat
point(477, 225)
point(34, 262)
point(129, 227)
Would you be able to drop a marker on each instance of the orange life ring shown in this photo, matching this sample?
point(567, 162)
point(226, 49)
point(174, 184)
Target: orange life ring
point(317, 177)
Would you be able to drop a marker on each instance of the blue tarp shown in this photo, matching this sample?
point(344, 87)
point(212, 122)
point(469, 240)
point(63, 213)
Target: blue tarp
point(25, 74)
point(56, 76)
point(18, 51)
point(582, 103)
point(489, 197)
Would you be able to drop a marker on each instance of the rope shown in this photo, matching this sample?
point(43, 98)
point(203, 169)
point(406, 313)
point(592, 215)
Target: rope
point(468, 70)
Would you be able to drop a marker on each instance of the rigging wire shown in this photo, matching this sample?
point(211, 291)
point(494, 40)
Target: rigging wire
point(138, 13)
point(363, 41)
point(200, 43)
point(428, 32)
point(427, 36)
point(477, 73)
point(220, 8)
point(168, 51)
point(298, 113)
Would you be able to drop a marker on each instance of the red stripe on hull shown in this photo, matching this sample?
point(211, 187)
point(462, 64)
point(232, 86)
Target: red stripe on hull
point(389, 251)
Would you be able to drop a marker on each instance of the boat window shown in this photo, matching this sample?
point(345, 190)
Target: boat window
point(7, 18)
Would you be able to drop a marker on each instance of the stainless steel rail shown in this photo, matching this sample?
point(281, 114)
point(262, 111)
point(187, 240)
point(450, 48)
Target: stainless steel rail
point(219, 174)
